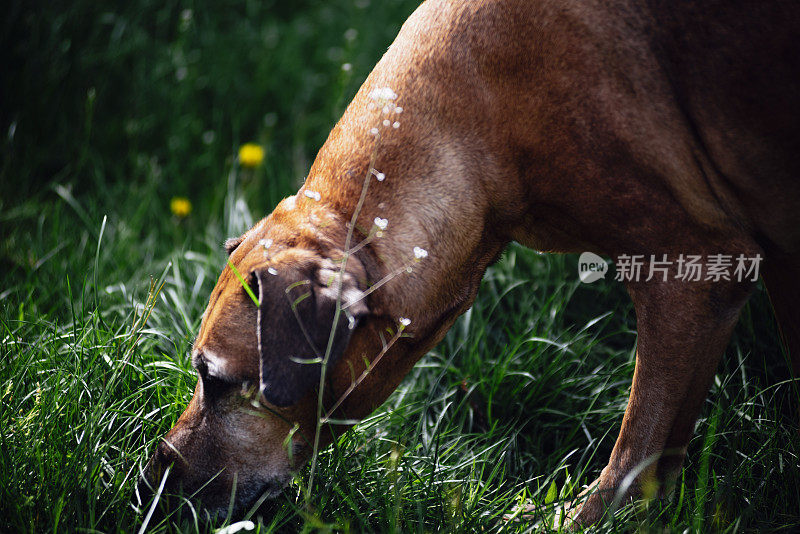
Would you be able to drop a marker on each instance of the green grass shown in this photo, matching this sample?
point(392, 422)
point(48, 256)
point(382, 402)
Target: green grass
point(109, 111)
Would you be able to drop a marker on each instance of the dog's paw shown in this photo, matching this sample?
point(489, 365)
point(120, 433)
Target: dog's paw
point(586, 511)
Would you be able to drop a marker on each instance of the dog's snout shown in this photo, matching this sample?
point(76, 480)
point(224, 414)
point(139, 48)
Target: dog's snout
point(143, 493)
point(165, 456)
point(162, 469)
point(161, 480)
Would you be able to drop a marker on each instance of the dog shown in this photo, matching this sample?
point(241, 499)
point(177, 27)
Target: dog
point(632, 129)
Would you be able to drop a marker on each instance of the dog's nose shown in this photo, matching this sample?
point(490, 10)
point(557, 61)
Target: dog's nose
point(159, 476)
point(152, 496)
point(151, 504)
point(143, 494)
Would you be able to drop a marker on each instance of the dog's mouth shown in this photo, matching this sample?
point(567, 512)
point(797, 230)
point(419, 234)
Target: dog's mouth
point(261, 499)
point(268, 491)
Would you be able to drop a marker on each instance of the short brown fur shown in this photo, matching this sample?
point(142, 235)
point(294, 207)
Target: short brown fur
point(618, 127)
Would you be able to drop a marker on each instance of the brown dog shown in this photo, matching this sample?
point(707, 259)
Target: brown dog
point(624, 128)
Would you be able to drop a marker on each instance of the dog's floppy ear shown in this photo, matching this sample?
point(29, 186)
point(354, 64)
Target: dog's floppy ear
point(295, 318)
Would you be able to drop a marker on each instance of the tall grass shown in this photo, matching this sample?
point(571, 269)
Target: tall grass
point(102, 291)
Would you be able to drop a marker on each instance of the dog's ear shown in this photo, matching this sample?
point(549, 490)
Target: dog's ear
point(295, 319)
point(231, 244)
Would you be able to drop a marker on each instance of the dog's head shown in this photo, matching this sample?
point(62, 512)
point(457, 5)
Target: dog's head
point(253, 414)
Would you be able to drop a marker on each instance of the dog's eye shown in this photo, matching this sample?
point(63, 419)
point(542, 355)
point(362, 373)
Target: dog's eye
point(213, 385)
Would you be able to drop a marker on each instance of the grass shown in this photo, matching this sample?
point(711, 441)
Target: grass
point(111, 111)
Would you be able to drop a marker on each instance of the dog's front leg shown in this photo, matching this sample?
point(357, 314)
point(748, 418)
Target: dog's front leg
point(683, 329)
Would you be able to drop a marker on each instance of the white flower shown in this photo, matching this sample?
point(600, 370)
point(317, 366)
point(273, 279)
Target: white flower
point(272, 271)
point(347, 67)
point(405, 321)
point(396, 124)
point(374, 131)
point(382, 93)
point(236, 527)
point(380, 177)
point(312, 194)
point(386, 122)
point(380, 223)
point(398, 109)
point(420, 253)
point(266, 243)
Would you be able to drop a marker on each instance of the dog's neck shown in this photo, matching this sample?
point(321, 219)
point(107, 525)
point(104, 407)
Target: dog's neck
point(445, 180)
point(429, 190)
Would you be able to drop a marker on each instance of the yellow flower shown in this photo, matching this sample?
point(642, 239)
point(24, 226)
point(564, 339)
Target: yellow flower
point(180, 206)
point(251, 155)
